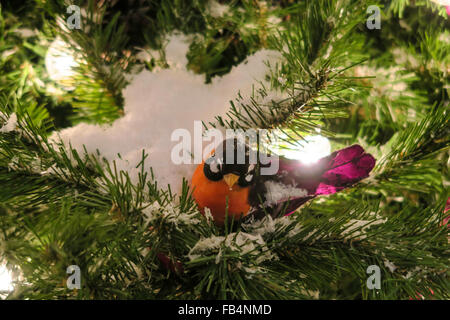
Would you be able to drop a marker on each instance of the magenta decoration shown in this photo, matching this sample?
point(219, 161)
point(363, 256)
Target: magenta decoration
point(295, 182)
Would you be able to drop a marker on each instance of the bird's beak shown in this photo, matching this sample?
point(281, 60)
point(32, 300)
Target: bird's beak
point(230, 179)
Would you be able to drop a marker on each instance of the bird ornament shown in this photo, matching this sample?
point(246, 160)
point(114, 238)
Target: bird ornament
point(238, 189)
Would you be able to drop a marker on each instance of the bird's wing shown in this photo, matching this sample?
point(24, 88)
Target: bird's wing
point(295, 183)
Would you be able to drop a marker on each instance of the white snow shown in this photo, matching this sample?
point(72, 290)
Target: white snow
point(356, 228)
point(216, 9)
point(242, 242)
point(26, 33)
point(389, 265)
point(267, 225)
point(208, 215)
point(14, 164)
point(171, 213)
point(157, 103)
point(205, 245)
point(7, 53)
point(277, 192)
point(313, 294)
point(10, 124)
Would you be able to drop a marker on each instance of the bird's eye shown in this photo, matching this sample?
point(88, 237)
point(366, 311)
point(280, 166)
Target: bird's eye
point(213, 168)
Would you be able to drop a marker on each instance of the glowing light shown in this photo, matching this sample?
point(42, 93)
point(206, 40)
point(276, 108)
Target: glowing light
point(6, 280)
point(60, 63)
point(309, 150)
point(442, 2)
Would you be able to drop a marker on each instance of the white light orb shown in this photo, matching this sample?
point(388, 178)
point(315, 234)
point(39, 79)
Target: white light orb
point(60, 63)
point(6, 280)
point(442, 2)
point(309, 150)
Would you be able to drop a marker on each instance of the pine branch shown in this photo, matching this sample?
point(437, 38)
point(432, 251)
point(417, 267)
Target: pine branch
point(314, 89)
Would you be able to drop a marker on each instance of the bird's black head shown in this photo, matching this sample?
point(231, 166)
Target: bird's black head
point(234, 162)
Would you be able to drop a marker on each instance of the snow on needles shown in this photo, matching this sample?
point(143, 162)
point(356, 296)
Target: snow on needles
point(157, 103)
point(241, 242)
point(277, 192)
point(216, 9)
point(171, 213)
point(10, 124)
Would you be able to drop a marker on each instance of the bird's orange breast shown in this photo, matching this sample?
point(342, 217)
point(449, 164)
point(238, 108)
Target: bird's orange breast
point(215, 194)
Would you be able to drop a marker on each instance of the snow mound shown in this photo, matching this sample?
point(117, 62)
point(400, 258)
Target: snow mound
point(157, 103)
